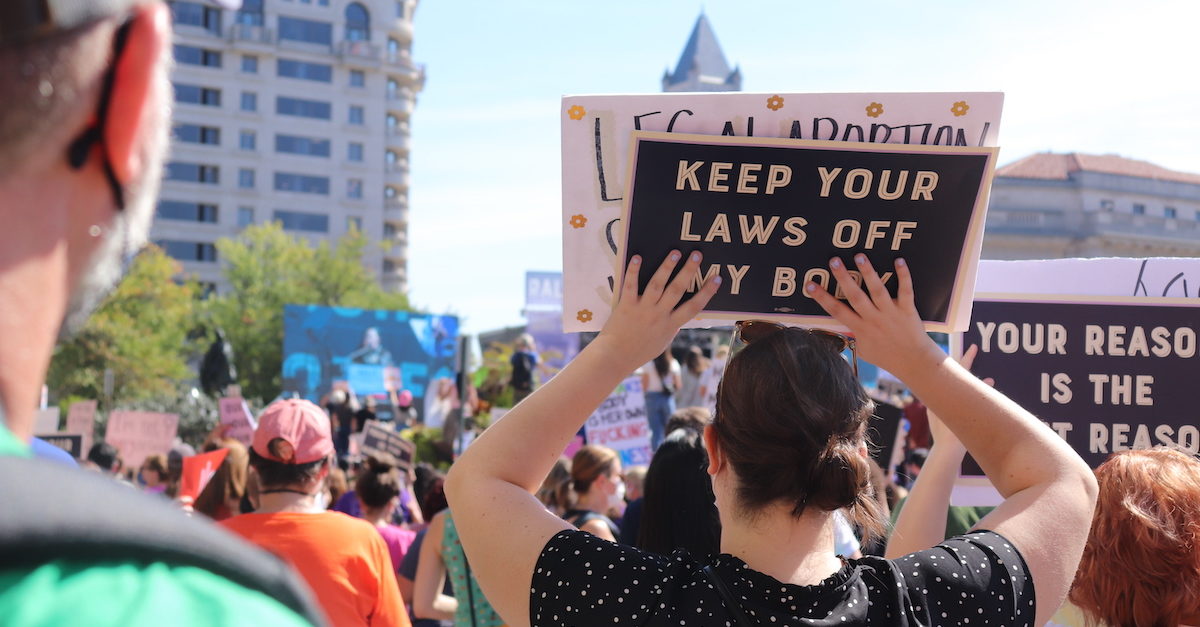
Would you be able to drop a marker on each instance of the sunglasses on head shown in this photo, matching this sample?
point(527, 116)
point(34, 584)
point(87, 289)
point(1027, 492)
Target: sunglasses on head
point(746, 332)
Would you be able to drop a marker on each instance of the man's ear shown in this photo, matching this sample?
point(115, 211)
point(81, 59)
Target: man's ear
point(135, 90)
point(715, 460)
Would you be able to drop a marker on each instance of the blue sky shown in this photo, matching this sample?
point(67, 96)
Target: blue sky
point(1097, 77)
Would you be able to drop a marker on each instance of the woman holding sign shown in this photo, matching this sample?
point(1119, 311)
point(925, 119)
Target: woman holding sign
point(786, 450)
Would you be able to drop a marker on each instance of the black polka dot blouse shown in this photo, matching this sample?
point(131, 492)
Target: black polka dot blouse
point(976, 580)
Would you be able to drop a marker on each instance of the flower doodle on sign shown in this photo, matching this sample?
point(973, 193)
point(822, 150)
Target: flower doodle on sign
point(960, 108)
point(775, 103)
point(584, 315)
point(874, 110)
point(579, 220)
point(576, 112)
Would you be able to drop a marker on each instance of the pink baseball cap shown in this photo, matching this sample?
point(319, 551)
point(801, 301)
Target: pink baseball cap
point(303, 427)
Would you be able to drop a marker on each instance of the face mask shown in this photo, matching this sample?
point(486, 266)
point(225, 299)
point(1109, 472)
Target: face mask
point(618, 496)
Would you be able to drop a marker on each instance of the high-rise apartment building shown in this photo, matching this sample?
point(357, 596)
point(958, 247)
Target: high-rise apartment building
point(295, 111)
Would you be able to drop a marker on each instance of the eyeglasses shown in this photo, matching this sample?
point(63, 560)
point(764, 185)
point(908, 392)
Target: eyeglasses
point(746, 332)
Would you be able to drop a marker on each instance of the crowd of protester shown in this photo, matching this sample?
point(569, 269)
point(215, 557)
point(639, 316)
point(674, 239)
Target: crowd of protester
point(768, 510)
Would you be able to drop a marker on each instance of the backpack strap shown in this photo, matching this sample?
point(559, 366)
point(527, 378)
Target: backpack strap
point(738, 616)
point(52, 512)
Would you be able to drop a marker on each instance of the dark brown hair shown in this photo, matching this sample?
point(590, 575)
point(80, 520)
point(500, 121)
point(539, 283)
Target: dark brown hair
point(379, 482)
point(555, 492)
point(273, 474)
point(790, 419)
point(694, 418)
point(588, 464)
point(1141, 564)
point(229, 482)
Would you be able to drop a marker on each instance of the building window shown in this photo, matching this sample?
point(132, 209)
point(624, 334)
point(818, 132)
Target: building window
point(192, 172)
point(290, 68)
point(301, 183)
point(400, 10)
point(389, 192)
point(356, 115)
point(354, 152)
point(296, 145)
point(246, 178)
point(307, 31)
point(191, 55)
point(249, 64)
point(1139, 209)
point(354, 188)
point(358, 22)
point(251, 13)
point(301, 221)
point(316, 109)
point(1171, 212)
point(197, 134)
point(188, 251)
point(390, 157)
point(198, 15)
point(354, 223)
point(358, 78)
point(1106, 205)
point(245, 216)
point(389, 266)
point(186, 211)
point(195, 94)
point(247, 140)
point(249, 101)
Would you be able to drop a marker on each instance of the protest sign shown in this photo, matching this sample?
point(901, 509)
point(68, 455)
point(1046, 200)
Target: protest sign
point(46, 420)
point(81, 419)
point(137, 434)
point(236, 413)
point(596, 140)
point(768, 214)
point(883, 435)
point(198, 470)
point(620, 424)
point(70, 442)
point(1106, 375)
point(381, 438)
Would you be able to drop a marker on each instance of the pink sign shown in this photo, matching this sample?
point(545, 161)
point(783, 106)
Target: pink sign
point(236, 414)
point(138, 434)
point(81, 419)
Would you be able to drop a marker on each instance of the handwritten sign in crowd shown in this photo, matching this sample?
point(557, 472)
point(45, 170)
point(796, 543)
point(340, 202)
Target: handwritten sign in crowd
point(768, 214)
point(597, 136)
point(138, 434)
point(236, 413)
point(620, 424)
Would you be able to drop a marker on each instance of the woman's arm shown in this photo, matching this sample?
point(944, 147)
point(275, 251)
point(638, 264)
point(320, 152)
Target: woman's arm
point(428, 600)
point(598, 528)
point(490, 488)
point(1049, 491)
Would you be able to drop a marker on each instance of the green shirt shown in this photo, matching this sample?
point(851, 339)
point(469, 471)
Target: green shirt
point(66, 592)
point(959, 519)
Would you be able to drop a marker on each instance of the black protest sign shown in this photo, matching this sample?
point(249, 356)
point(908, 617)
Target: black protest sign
point(71, 443)
point(380, 438)
point(882, 430)
point(768, 214)
point(1106, 376)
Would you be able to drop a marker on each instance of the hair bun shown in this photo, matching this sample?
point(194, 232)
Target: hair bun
point(381, 463)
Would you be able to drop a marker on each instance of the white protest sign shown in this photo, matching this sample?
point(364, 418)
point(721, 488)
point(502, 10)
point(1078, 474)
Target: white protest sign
point(596, 144)
point(620, 424)
point(138, 434)
point(81, 419)
point(46, 420)
point(236, 413)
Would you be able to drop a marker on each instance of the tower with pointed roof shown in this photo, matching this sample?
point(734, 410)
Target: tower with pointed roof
point(702, 66)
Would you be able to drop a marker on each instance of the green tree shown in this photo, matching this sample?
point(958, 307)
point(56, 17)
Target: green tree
point(266, 269)
point(139, 333)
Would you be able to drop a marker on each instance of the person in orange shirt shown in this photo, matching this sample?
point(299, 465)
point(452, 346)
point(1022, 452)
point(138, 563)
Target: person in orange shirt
point(343, 559)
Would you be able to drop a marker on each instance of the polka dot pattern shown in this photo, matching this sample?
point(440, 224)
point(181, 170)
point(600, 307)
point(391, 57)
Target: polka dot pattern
point(976, 580)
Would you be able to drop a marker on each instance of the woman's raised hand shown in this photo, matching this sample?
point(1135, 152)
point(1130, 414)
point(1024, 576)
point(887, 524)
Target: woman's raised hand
point(888, 331)
point(642, 325)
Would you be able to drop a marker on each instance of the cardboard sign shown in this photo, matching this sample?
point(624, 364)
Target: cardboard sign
point(137, 434)
point(768, 214)
point(81, 419)
point(198, 470)
point(46, 421)
point(236, 413)
point(1106, 376)
point(596, 140)
point(70, 442)
point(620, 424)
point(380, 438)
point(883, 431)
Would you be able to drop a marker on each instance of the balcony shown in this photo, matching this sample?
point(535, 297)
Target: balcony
point(360, 52)
point(397, 174)
point(397, 140)
point(403, 29)
point(401, 100)
point(1085, 224)
point(251, 34)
